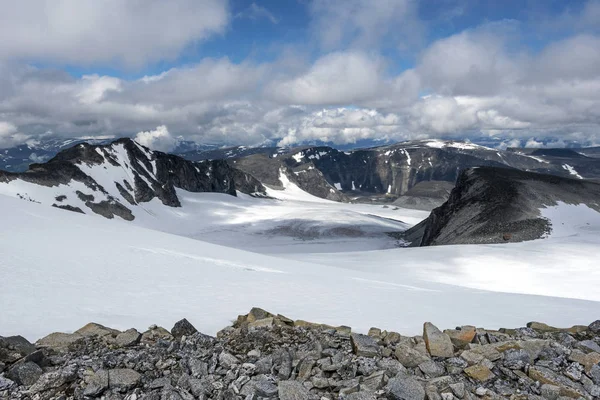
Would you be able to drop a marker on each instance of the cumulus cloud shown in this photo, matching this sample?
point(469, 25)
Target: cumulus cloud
point(337, 78)
point(478, 82)
point(363, 23)
point(10, 136)
point(157, 139)
point(90, 31)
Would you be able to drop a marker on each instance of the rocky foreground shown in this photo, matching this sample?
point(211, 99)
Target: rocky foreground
point(266, 356)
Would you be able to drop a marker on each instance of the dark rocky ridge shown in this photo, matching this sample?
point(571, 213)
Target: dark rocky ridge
point(150, 174)
point(267, 356)
point(392, 171)
point(496, 205)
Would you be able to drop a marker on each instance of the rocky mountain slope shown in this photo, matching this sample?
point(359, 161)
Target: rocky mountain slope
point(495, 205)
point(267, 356)
point(389, 172)
point(114, 179)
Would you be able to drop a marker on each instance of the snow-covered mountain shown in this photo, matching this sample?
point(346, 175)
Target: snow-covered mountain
point(66, 269)
point(390, 172)
point(117, 179)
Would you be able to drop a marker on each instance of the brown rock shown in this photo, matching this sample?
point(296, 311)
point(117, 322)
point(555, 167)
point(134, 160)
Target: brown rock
point(461, 337)
point(547, 376)
point(479, 373)
point(261, 323)
point(94, 329)
point(438, 343)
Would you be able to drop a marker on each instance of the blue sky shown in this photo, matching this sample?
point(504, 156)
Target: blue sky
point(295, 70)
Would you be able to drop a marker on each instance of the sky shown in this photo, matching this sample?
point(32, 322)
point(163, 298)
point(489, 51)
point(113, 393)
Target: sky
point(514, 72)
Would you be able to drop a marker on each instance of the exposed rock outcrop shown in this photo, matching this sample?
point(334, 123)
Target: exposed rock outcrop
point(497, 205)
point(297, 360)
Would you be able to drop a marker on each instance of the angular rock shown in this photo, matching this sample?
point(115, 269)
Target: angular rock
point(364, 345)
point(545, 375)
point(409, 357)
point(305, 369)
point(458, 389)
point(594, 327)
point(515, 359)
point(374, 382)
point(292, 390)
point(265, 388)
point(374, 332)
point(183, 328)
point(53, 380)
point(256, 314)
point(261, 323)
point(587, 360)
point(438, 343)
point(227, 360)
point(595, 373)
point(541, 327)
point(404, 388)
point(6, 383)
point(156, 333)
point(19, 344)
point(479, 373)
point(123, 378)
point(460, 338)
point(96, 384)
point(361, 395)
point(93, 329)
point(59, 341)
point(432, 369)
point(589, 346)
point(26, 373)
point(550, 392)
point(130, 337)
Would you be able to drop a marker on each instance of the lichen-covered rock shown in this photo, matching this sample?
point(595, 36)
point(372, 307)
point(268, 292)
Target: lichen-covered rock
point(59, 341)
point(26, 373)
point(404, 388)
point(292, 390)
point(438, 343)
point(128, 338)
point(479, 373)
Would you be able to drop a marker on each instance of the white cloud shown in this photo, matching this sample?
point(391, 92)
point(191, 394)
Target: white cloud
point(90, 31)
point(363, 23)
point(337, 78)
point(256, 12)
point(10, 136)
point(157, 139)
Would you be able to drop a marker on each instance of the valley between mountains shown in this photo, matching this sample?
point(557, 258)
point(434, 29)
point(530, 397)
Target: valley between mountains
point(124, 236)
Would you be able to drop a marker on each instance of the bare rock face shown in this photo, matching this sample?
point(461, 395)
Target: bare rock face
point(496, 205)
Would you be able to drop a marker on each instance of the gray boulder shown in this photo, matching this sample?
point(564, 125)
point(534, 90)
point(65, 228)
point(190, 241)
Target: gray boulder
point(183, 328)
point(404, 388)
point(123, 378)
point(292, 390)
point(130, 337)
point(26, 373)
point(96, 384)
point(364, 345)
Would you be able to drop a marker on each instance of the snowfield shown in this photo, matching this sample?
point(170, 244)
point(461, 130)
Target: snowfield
point(61, 270)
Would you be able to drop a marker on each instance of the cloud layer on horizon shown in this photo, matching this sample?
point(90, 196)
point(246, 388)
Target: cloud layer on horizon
point(472, 83)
